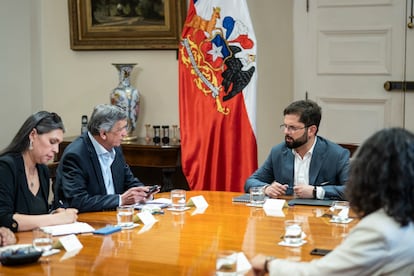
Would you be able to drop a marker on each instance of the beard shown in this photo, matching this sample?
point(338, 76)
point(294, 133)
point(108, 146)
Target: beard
point(298, 142)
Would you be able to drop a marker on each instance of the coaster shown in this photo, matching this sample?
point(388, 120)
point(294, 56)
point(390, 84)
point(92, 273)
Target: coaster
point(178, 210)
point(255, 205)
point(130, 227)
point(283, 243)
point(342, 222)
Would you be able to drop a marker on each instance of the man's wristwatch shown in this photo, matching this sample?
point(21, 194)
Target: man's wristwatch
point(314, 192)
point(267, 261)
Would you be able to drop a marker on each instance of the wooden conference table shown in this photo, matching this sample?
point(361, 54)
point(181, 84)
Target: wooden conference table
point(185, 243)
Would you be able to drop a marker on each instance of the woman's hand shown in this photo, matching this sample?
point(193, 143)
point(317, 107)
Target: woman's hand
point(7, 237)
point(68, 215)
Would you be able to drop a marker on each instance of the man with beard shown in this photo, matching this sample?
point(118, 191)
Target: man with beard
point(306, 165)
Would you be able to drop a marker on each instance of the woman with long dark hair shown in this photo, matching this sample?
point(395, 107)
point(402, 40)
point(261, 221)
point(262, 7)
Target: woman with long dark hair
point(24, 175)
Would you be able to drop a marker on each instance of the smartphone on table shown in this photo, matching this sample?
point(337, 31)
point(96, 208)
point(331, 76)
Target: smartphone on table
point(320, 251)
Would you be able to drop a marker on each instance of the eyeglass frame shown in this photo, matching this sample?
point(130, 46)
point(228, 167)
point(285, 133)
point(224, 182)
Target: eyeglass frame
point(291, 129)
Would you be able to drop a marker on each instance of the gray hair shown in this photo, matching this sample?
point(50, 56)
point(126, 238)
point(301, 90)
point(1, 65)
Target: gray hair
point(104, 117)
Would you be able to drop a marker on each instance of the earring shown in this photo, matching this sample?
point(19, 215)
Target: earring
point(30, 145)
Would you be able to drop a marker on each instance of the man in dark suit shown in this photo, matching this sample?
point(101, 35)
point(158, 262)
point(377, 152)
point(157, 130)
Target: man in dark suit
point(306, 165)
point(92, 173)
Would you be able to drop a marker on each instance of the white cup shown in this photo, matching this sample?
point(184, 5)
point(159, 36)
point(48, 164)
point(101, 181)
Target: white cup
point(125, 216)
point(178, 199)
point(226, 263)
point(340, 211)
point(42, 240)
point(293, 232)
point(257, 196)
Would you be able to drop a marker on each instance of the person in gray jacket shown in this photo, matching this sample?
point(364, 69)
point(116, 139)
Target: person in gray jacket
point(381, 192)
point(306, 164)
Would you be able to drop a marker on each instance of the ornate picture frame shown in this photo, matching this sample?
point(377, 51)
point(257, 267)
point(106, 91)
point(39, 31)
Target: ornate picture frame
point(125, 25)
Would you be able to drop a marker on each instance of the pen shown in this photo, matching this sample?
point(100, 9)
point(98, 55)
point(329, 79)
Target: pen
point(62, 205)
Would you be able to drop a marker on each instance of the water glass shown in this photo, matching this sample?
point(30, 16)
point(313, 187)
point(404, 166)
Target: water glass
point(42, 240)
point(340, 211)
point(257, 196)
point(125, 216)
point(226, 263)
point(293, 232)
point(178, 199)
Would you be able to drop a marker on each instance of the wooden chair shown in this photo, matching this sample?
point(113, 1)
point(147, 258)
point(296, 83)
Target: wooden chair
point(351, 147)
point(52, 174)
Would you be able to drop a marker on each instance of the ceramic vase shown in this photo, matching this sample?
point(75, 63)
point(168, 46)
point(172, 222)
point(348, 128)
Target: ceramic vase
point(127, 96)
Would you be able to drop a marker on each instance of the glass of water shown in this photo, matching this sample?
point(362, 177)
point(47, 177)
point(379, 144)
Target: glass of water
point(178, 199)
point(340, 211)
point(293, 232)
point(257, 196)
point(42, 240)
point(125, 216)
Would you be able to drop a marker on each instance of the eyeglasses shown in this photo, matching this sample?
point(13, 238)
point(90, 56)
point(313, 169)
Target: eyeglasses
point(291, 129)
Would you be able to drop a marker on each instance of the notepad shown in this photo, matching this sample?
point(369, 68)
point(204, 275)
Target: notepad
point(159, 202)
point(312, 202)
point(107, 230)
point(243, 198)
point(70, 228)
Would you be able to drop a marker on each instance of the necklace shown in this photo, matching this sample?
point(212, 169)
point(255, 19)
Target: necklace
point(32, 172)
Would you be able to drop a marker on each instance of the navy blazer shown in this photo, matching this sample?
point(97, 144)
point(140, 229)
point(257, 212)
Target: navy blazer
point(329, 163)
point(79, 180)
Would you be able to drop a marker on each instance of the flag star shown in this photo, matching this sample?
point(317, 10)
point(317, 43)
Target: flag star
point(216, 51)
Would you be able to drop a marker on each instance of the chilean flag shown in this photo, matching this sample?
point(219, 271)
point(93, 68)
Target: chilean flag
point(217, 95)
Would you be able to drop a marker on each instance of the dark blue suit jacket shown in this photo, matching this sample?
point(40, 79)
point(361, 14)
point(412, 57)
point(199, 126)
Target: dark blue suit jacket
point(79, 180)
point(329, 163)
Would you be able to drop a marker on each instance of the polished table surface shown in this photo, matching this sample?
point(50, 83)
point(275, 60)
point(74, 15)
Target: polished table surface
point(185, 243)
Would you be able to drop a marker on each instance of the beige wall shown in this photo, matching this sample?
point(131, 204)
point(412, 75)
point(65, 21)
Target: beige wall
point(45, 74)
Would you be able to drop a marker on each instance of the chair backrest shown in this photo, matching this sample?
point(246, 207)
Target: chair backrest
point(52, 174)
point(351, 147)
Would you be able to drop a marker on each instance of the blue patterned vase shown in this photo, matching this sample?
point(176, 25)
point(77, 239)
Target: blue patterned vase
point(126, 96)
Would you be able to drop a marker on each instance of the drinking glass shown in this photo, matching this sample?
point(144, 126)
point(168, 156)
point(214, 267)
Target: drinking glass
point(340, 211)
point(293, 232)
point(125, 216)
point(257, 196)
point(42, 240)
point(178, 199)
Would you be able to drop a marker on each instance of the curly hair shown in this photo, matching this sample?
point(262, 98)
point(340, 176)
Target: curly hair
point(382, 175)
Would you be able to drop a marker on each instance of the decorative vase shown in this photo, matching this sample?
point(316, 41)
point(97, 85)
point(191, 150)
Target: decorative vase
point(127, 97)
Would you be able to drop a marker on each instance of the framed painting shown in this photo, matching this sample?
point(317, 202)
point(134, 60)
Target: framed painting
point(125, 24)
